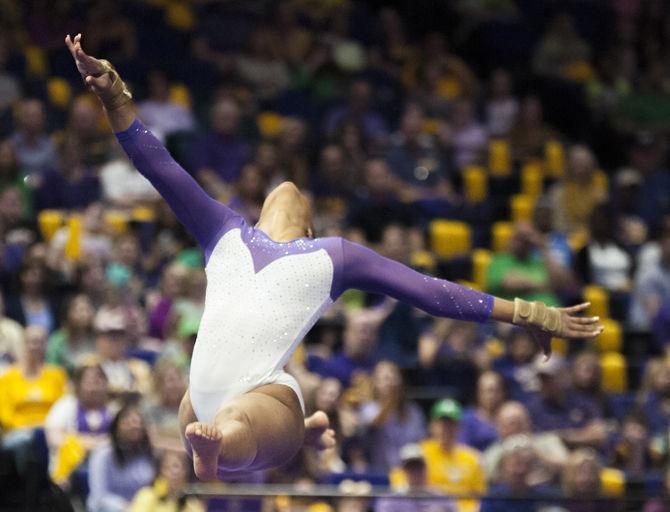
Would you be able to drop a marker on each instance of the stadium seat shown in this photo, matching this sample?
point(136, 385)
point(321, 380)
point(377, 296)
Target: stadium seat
point(500, 158)
point(611, 338)
point(59, 92)
point(269, 124)
point(49, 222)
point(73, 242)
point(612, 482)
point(142, 214)
point(180, 16)
point(554, 156)
point(180, 94)
point(532, 178)
point(521, 207)
point(599, 299)
point(37, 64)
point(559, 346)
point(423, 260)
point(117, 220)
point(501, 232)
point(450, 238)
point(601, 181)
point(431, 125)
point(475, 185)
point(481, 259)
point(614, 376)
point(578, 240)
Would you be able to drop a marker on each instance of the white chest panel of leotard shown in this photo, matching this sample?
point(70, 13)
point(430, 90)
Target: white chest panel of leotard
point(253, 320)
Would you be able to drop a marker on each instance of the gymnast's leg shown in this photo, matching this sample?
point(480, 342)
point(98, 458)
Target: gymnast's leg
point(257, 430)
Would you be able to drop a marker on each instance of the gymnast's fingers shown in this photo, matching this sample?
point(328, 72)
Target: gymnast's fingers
point(577, 308)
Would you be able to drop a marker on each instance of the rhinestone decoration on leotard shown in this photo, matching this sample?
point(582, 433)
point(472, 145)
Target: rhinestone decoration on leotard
point(254, 317)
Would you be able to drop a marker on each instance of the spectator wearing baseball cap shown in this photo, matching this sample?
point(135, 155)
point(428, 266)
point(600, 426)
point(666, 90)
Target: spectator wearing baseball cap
point(451, 467)
point(126, 375)
point(413, 469)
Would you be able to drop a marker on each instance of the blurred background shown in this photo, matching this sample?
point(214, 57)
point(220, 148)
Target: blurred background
point(516, 146)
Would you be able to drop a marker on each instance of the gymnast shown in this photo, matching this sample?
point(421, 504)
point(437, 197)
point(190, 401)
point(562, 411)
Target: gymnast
point(266, 287)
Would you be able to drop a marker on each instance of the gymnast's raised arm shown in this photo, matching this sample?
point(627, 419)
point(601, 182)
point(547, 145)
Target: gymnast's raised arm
point(203, 216)
point(366, 270)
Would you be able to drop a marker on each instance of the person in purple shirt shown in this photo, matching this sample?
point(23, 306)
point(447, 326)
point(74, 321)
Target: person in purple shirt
point(358, 353)
point(267, 286)
point(119, 469)
point(478, 423)
point(391, 419)
point(71, 186)
point(220, 154)
point(358, 110)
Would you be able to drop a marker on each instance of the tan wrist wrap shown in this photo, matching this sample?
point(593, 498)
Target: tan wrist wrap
point(537, 314)
point(118, 94)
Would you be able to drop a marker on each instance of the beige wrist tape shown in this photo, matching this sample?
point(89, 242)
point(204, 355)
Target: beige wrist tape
point(537, 314)
point(118, 94)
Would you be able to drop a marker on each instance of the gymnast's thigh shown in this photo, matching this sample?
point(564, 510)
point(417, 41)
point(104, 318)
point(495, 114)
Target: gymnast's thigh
point(276, 420)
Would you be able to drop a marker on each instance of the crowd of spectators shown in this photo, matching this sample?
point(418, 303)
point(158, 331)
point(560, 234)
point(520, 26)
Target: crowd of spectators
point(520, 147)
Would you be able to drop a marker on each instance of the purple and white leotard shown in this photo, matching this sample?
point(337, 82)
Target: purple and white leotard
point(263, 296)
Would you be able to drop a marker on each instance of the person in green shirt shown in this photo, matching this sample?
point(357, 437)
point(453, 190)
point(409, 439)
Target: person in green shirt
point(523, 271)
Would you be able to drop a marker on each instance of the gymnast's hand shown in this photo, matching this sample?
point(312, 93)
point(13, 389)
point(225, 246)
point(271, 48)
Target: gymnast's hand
point(92, 70)
point(568, 325)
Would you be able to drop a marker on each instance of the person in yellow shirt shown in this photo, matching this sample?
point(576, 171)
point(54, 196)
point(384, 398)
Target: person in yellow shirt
point(453, 468)
point(30, 387)
point(165, 494)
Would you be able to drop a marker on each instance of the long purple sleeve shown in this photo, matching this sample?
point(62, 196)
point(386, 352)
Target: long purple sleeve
point(366, 270)
point(205, 218)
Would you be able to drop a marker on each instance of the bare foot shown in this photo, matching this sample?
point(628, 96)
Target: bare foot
point(205, 441)
point(317, 433)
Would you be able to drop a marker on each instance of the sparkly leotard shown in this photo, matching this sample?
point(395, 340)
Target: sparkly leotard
point(263, 296)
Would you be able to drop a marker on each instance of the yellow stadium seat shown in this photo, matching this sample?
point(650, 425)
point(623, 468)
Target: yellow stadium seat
point(449, 88)
point(59, 92)
point(599, 299)
point(475, 185)
point(500, 158)
point(469, 284)
point(612, 482)
point(578, 240)
point(611, 339)
point(431, 125)
point(521, 206)
point(37, 64)
point(450, 238)
point(73, 242)
point(117, 220)
point(179, 15)
point(601, 182)
point(614, 375)
point(501, 232)
point(481, 259)
point(554, 156)
point(423, 260)
point(269, 124)
point(49, 222)
point(142, 214)
point(532, 178)
point(559, 346)
point(180, 94)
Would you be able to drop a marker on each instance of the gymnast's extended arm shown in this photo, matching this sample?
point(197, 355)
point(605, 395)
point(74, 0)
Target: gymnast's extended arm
point(203, 216)
point(366, 270)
